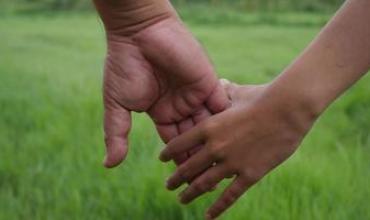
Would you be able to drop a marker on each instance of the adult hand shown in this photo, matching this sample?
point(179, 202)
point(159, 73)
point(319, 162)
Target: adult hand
point(260, 131)
point(153, 65)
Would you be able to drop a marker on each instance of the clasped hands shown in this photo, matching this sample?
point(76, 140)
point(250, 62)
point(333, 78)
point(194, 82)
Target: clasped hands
point(155, 65)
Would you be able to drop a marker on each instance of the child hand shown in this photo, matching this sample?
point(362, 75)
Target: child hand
point(260, 131)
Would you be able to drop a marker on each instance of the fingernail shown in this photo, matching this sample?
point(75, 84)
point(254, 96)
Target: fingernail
point(169, 186)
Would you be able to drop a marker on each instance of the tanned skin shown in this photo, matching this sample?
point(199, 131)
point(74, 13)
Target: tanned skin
point(153, 65)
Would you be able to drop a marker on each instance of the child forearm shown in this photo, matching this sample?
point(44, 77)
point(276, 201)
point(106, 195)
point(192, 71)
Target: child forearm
point(337, 58)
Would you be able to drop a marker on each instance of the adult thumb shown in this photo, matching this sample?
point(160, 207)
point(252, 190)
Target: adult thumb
point(117, 125)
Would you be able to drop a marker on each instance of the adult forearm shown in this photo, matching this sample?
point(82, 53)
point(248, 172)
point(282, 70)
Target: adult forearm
point(337, 58)
point(127, 16)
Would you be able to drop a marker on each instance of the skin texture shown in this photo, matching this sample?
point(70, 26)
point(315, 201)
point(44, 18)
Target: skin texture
point(153, 65)
point(266, 124)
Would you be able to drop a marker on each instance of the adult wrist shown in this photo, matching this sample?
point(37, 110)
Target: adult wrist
point(125, 17)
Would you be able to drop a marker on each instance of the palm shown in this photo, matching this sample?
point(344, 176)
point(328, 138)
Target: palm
point(160, 70)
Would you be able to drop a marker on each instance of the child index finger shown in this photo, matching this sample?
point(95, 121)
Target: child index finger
point(182, 144)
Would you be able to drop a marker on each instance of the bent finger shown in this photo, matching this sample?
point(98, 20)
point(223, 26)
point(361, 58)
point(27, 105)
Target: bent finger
point(186, 172)
point(218, 100)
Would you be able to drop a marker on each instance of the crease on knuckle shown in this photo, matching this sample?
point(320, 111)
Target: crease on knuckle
point(205, 185)
point(183, 173)
point(216, 151)
point(251, 176)
point(208, 128)
point(199, 187)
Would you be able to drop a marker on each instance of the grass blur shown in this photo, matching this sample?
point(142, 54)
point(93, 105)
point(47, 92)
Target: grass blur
point(51, 138)
point(244, 5)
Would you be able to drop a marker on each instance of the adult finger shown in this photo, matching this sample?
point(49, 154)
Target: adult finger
point(117, 124)
point(200, 115)
point(167, 131)
point(185, 125)
point(186, 172)
point(218, 100)
point(204, 183)
point(231, 194)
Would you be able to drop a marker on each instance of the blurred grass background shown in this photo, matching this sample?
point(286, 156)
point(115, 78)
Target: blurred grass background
point(51, 139)
point(244, 5)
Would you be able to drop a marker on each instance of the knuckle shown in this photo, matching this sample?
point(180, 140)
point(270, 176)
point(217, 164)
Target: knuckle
point(199, 187)
point(252, 176)
point(209, 127)
point(183, 173)
point(213, 153)
point(216, 151)
point(230, 173)
point(207, 184)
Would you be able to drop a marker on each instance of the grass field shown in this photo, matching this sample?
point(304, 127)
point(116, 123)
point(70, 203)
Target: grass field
point(51, 138)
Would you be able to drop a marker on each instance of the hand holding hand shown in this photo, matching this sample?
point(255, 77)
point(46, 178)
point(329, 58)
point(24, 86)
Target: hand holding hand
point(153, 65)
point(260, 131)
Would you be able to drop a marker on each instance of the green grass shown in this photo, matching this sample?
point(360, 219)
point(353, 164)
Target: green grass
point(51, 137)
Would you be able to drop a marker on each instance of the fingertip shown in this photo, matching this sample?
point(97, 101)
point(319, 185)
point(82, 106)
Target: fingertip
point(172, 183)
point(218, 100)
point(182, 200)
point(170, 186)
point(111, 162)
point(164, 156)
point(116, 152)
point(108, 164)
